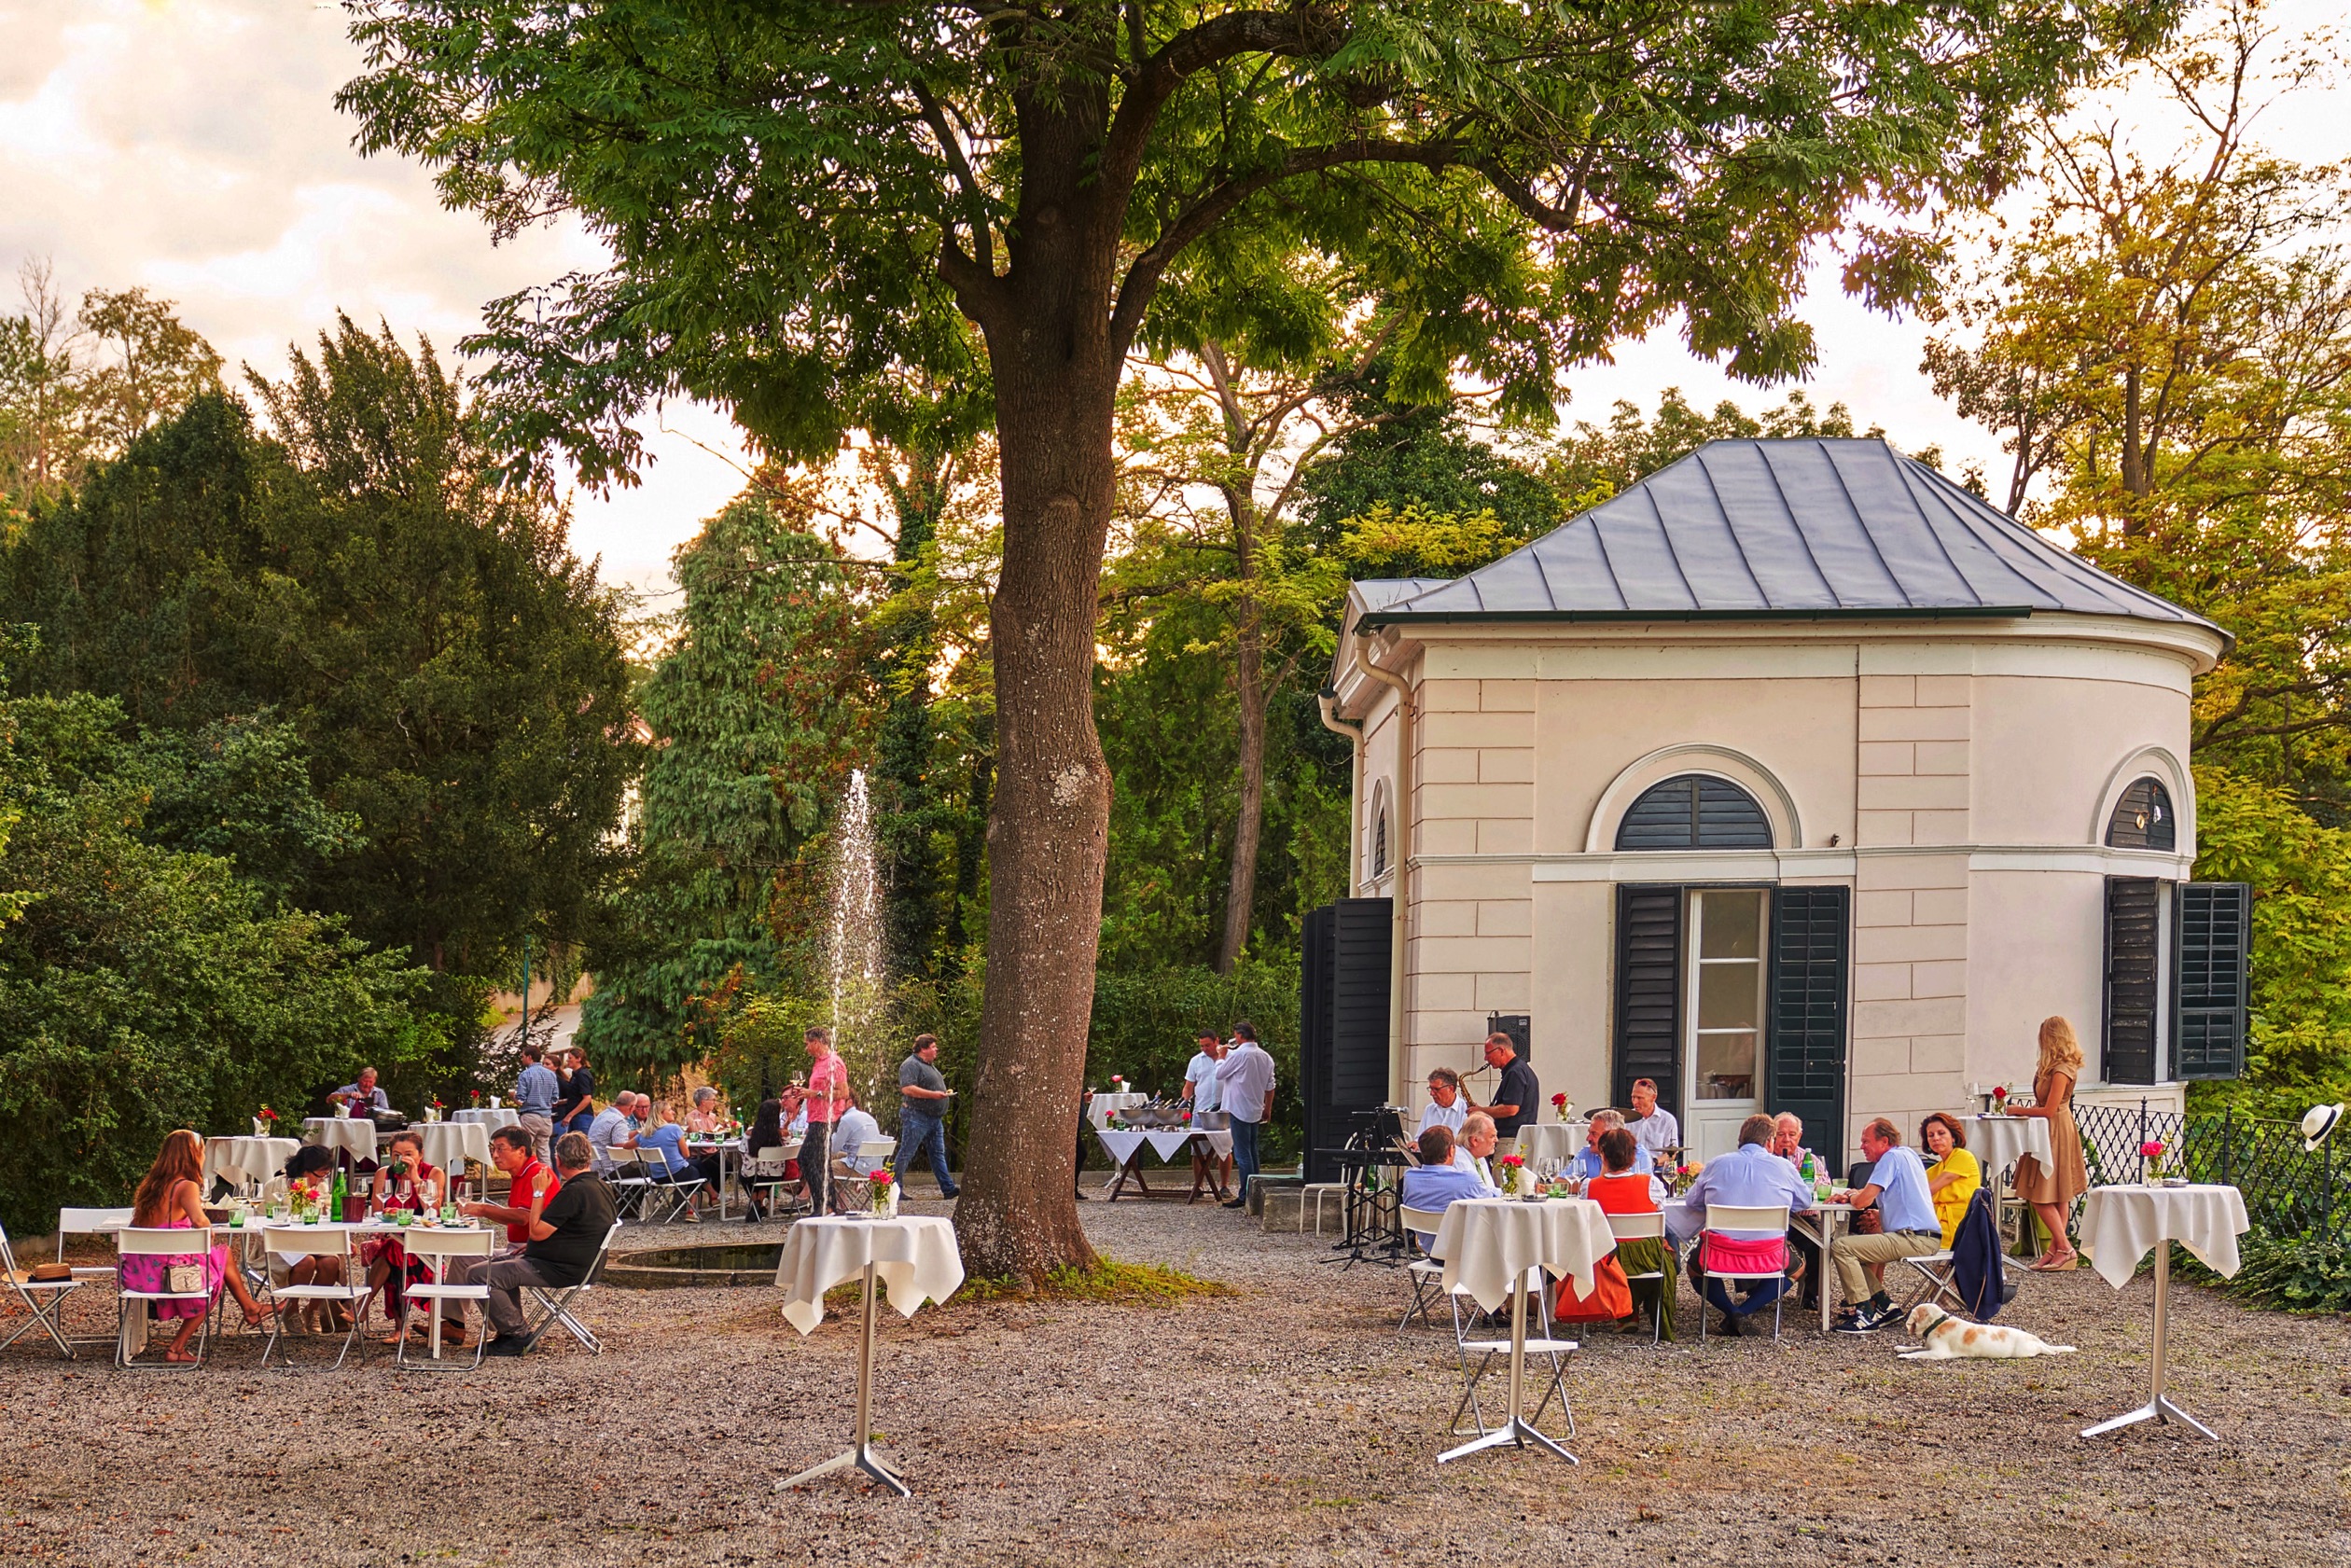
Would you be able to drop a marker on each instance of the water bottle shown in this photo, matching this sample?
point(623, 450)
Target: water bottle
point(340, 1190)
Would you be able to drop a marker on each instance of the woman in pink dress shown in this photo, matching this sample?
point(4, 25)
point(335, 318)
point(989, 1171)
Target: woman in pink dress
point(171, 1197)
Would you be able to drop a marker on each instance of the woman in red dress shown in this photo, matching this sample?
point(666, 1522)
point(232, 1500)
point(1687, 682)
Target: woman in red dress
point(402, 1182)
point(1622, 1191)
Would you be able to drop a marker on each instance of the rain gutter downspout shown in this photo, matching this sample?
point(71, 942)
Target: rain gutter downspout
point(1399, 851)
point(1326, 700)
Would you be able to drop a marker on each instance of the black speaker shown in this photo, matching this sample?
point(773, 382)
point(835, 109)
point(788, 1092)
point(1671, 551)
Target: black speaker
point(1516, 1025)
point(1342, 1023)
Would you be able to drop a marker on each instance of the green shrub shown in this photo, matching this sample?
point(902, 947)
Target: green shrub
point(2308, 1273)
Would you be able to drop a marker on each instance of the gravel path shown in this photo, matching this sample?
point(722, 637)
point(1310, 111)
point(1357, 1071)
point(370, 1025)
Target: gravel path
point(1283, 1424)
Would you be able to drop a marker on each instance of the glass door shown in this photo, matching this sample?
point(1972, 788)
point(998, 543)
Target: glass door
point(1722, 1057)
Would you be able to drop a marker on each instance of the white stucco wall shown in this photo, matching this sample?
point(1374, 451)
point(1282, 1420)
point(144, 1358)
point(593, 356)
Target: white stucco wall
point(1956, 776)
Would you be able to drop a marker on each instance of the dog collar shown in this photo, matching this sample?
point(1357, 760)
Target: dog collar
point(1942, 1317)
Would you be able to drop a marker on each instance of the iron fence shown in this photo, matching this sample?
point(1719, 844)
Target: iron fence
point(2288, 1190)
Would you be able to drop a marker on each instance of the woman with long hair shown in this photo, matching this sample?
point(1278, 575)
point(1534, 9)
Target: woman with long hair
point(1954, 1175)
point(171, 1197)
point(2052, 1190)
point(403, 1181)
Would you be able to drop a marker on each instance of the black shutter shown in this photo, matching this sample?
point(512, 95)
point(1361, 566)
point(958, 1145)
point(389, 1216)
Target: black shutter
point(1810, 944)
point(1343, 1040)
point(2212, 939)
point(2133, 918)
point(1649, 989)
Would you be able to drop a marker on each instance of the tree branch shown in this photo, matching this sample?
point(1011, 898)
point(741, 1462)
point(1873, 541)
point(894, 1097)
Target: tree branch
point(1142, 277)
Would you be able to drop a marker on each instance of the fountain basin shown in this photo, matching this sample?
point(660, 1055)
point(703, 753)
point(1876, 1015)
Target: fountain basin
point(716, 1263)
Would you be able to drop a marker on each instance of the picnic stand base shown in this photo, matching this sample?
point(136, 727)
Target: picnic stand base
point(2159, 1406)
point(1517, 1432)
point(863, 1456)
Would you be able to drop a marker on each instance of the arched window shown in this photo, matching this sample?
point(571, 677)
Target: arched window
point(1379, 834)
point(1695, 812)
point(2142, 818)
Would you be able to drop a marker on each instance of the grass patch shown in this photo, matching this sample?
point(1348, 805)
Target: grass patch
point(1143, 1284)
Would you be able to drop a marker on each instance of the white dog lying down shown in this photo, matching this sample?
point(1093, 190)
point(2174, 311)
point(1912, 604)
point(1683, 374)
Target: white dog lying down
point(1953, 1339)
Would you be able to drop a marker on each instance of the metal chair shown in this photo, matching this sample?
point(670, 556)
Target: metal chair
point(855, 1188)
point(555, 1302)
point(1646, 1228)
point(1557, 1351)
point(662, 1185)
point(350, 1292)
point(1426, 1275)
point(145, 1242)
point(437, 1248)
point(1726, 1218)
point(44, 1300)
point(632, 1186)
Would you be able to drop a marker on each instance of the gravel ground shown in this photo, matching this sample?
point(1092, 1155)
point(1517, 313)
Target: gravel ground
point(1286, 1424)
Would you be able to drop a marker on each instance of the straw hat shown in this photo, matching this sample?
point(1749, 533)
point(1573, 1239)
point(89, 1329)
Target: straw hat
point(2318, 1122)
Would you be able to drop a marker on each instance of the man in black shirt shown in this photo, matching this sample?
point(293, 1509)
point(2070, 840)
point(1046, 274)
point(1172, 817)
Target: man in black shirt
point(1518, 1097)
point(564, 1240)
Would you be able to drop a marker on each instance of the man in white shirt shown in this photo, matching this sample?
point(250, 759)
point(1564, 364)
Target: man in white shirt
point(1654, 1130)
point(1474, 1151)
point(613, 1129)
point(1244, 1089)
point(855, 1129)
point(1444, 1108)
point(1199, 1082)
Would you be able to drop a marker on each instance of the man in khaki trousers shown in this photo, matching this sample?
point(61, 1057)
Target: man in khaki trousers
point(1897, 1190)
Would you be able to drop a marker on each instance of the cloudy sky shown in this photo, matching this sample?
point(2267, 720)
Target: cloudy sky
point(192, 146)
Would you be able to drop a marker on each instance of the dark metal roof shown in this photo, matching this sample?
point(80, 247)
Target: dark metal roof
point(1772, 530)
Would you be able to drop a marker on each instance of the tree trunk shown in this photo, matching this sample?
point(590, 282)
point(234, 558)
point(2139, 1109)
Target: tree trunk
point(1048, 830)
point(1248, 689)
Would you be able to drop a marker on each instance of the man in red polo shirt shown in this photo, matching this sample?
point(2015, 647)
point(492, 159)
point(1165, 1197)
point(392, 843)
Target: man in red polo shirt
point(828, 1096)
point(530, 1186)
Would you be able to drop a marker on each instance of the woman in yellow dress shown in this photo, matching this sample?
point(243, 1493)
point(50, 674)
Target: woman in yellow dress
point(1954, 1176)
point(2052, 1190)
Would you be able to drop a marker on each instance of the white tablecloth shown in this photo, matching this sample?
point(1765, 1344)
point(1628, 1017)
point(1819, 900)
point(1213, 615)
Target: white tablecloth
point(355, 1133)
point(1552, 1140)
point(447, 1144)
point(914, 1256)
point(2000, 1142)
point(1487, 1242)
point(1166, 1142)
point(1099, 1109)
point(2120, 1225)
point(244, 1159)
point(484, 1117)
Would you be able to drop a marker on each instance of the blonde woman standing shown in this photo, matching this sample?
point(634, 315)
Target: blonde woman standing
point(2052, 1191)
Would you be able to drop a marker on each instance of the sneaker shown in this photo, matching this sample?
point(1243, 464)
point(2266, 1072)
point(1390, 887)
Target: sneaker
point(1869, 1319)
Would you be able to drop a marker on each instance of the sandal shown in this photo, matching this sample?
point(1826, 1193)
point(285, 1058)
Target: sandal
point(2057, 1263)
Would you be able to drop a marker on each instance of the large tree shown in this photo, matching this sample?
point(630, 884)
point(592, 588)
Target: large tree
point(803, 199)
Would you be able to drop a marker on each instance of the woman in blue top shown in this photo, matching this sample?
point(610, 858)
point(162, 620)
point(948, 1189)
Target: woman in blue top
point(662, 1133)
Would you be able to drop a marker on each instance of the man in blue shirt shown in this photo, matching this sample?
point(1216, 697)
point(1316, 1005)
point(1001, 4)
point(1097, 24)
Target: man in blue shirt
point(1588, 1161)
point(1750, 1176)
point(1898, 1191)
point(1436, 1181)
point(535, 1094)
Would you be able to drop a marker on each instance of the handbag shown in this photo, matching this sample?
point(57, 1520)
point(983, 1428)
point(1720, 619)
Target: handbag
point(184, 1279)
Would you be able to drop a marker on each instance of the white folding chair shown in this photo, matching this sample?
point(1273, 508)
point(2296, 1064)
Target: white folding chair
point(1426, 1275)
point(632, 1186)
point(1732, 1217)
point(1937, 1281)
point(556, 1302)
point(855, 1188)
point(44, 1300)
point(772, 1159)
point(662, 1187)
point(143, 1241)
point(1556, 1351)
point(1646, 1227)
point(437, 1248)
point(290, 1245)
